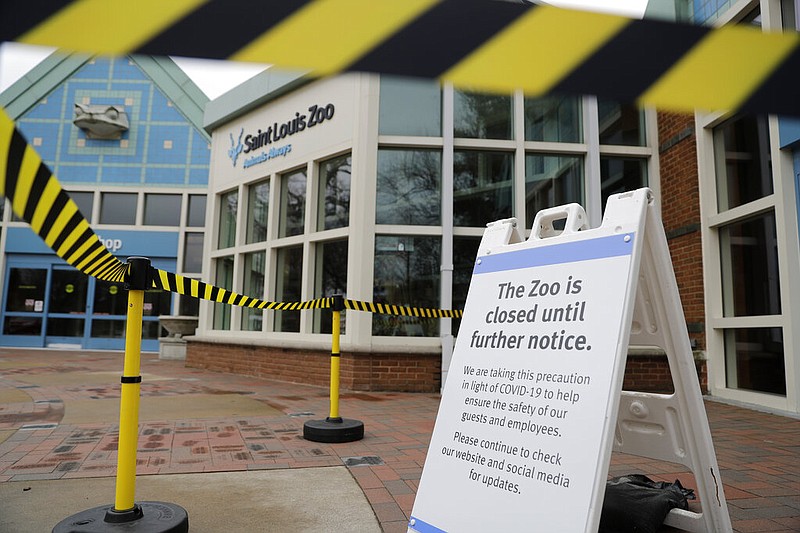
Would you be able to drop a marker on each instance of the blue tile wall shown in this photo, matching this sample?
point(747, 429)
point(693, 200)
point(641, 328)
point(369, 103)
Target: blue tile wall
point(139, 157)
point(78, 174)
point(198, 176)
point(123, 175)
point(50, 107)
point(706, 11)
point(162, 111)
point(155, 175)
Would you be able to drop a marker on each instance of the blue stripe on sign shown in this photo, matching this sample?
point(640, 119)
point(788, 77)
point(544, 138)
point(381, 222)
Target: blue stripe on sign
point(568, 252)
point(423, 527)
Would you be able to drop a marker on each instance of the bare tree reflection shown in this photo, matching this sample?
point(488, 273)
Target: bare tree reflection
point(482, 116)
point(406, 273)
point(482, 187)
point(409, 187)
point(336, 177)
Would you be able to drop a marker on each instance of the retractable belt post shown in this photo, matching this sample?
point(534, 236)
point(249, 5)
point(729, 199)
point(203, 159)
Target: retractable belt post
point(334, 428)
point(126, 514)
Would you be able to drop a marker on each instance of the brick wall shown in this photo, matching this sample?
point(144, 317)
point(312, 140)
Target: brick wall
point(680, 211)
point(357, 371)
point(650, 373)
point(384, 371)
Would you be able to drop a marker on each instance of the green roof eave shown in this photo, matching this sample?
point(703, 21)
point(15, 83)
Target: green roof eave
point(176, 86)
point(29, 90)
point(253, 93)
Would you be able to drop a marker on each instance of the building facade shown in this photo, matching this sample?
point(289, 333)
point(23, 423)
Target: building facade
point(124, 138)
point(749, 199)
point(747, 184)
point(380, 188)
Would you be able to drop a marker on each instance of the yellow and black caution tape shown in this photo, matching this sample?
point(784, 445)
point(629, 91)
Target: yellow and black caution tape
point(399, 310)
point(481, 44)
point(37, 197)
point(167, 281)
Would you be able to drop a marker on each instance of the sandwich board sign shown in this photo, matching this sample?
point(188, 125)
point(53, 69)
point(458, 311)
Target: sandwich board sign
point(528, 416)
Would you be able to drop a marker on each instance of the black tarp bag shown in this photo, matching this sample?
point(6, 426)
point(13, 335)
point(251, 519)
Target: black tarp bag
point(637, 504)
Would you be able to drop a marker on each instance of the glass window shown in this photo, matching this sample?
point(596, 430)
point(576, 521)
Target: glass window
point(293, 203)
point(465, 251)
point(118, 208)
point(755, 360)
point(26, 290)
point(193, 252)
point(551, 180)
point(151, 329)
point(257, 211)
point(749, 256)
point(330, 279)
point(753, 18)
point(790, 14)
point(110, 329)
point(68, 292)
point(620, 124)
point(65, 327)
point(162, 209)
point(706, 11)
point(22, 325)
point(553, 118)
point(196, 217)
point(157, 303)
point(407, 273)
point(84, 200)
point(110, 298)
point(334, 196)
point(744, 168)
point(254, 268)
point(228, 207)
point(409, 187)
point(224, 280)
point(115, 329)
point(482, 187)
point(188, 306)
point(410, 107)
point(288, 286)
point(482, 116)
point(621, 174)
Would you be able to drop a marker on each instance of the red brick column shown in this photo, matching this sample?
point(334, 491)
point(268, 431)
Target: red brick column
point(680, 212)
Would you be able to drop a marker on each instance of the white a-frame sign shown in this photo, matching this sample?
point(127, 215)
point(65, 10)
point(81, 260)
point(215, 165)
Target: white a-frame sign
point(533, 403)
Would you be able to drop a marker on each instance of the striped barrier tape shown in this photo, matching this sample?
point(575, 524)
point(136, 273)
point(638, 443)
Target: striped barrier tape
point(480, 44)
point(37, 197)
point(397, 310)
point(167, 281)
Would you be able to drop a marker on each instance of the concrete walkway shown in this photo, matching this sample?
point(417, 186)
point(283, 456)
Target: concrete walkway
point(229, 449)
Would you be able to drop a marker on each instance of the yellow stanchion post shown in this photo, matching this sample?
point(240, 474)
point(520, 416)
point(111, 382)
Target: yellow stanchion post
point(336, 328)
point(126, 514)
point(334, 428)
point(129, 406)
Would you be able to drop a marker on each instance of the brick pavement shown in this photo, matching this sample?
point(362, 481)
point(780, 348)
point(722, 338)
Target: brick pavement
point(758, 453)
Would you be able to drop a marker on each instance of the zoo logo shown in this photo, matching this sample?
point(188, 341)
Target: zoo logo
point(236, 149)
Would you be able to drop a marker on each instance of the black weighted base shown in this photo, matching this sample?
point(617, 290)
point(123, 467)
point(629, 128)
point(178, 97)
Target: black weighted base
point(333, 430)
point(149, 517)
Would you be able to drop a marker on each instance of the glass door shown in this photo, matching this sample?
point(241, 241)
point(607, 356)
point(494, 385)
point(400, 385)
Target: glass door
point(54, 305)
point(108, 315)
point(66, 313)
point(23, 317)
